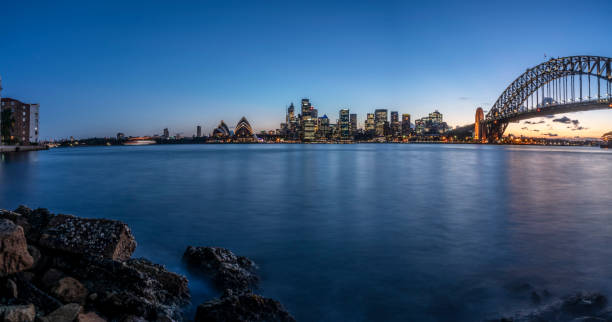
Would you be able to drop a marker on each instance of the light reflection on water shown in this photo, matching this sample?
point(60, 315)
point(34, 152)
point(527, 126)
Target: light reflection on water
point(351, 232)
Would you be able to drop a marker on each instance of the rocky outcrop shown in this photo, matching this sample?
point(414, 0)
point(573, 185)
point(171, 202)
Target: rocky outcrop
point(14, 256)
point(106, 238)
point(242, 307)
point(18, 313)
point(227, 270)
point(65, 268)
point(82, 271)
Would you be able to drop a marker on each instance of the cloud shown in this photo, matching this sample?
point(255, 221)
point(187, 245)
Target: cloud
point(463, 98)
point(579, 128)
point(536, 130)
point(549, 116)
point(567, 120)
point(524, 128)
point(534, 122)
point(564, 120)
point(550, 134)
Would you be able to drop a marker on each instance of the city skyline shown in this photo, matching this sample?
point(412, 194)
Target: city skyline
point(164, 66)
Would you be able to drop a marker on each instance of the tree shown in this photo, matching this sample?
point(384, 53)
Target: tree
point(7, 125)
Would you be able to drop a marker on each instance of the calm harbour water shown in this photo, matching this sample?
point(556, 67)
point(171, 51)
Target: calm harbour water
point(351, 232)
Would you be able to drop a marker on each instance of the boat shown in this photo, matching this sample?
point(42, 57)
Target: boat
point(139, 141)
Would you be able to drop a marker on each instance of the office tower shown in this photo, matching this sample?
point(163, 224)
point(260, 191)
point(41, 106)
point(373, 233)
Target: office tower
point(306, 107)
point(24, 126)
point(370, 125)
point(353, 124)
point(406, 124)
point(166, 134)
point(395, 124)
point(308, 128)
point(323, 131)
point(344, 124)
point(290, 114)
point(381, 122)
point(199, 131)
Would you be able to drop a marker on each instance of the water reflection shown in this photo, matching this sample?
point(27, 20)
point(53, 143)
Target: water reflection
point(350, 232)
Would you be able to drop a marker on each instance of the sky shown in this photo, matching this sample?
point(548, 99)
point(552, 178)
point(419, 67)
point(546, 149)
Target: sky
point(102, 67)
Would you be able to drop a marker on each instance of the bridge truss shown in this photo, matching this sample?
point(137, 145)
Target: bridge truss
point(560, 85)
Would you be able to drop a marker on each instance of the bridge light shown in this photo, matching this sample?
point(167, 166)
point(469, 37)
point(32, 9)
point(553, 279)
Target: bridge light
point(539, 109)
point(610, 105)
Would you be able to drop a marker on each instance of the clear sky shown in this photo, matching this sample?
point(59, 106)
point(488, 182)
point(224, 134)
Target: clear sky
point(98, 68)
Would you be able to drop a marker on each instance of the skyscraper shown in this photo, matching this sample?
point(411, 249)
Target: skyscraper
point(381, 122)
point(199, 131)
point(166, 134)
point(353, 124)
point(395, 124)
point(344, 124)
point(405, 124)
point(290, 114)
point(370, 125)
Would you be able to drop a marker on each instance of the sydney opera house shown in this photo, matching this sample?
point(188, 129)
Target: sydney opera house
point(243, 132)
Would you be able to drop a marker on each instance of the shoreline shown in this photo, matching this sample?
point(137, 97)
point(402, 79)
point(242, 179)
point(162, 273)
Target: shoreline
point(22, 148)
point(56, 267)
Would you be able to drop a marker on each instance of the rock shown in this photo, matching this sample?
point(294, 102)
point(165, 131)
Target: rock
point(133, 287)
point(51, 277)
point(14, 256)
point(37, 220)
point(30, 293)
point(90, 317)
point(242, 307)
point(588, 319)
point(69, 290)
point(99, 237)
point(18, 313)
point(227, 270)
point(36, 255)
point(66, 313)
point(10, 289)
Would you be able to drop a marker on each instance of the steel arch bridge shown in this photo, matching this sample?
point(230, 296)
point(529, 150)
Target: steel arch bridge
point(560, 85)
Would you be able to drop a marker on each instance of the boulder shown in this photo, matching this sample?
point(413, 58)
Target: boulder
point(35, 221)
point(69, 290)
point(66, 313)
point(98, 237)
point(227, 270)
point(14, 256)
point(242, 307)
point(10, 290)
point(51, 277)
point(90, 317)
point(18, 313)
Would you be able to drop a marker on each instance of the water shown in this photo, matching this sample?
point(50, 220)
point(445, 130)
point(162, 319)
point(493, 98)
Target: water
point(351, 232)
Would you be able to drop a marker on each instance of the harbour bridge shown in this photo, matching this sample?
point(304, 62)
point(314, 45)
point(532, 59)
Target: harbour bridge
point(559, 85)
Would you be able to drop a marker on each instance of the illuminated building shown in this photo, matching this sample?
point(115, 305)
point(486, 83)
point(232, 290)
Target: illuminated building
point(395, 124)
point(344, 124)
point(381, 122)
point(243, 131)
point(324, 130)
point(370, 125)
point(221, 132)
point(431, 125)
point(479, 133)
point(23, 128)
point(353, 124)
point(406, 124)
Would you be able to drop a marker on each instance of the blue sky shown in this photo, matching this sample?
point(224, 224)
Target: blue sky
point(98, 68)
